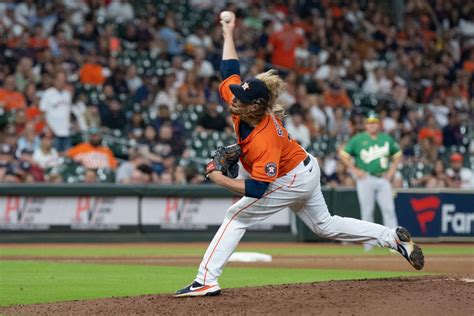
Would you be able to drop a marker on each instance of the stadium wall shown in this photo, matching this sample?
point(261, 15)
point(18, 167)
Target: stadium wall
point(84, 212)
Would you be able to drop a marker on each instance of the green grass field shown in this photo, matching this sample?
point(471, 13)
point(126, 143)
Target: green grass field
point(29, 282)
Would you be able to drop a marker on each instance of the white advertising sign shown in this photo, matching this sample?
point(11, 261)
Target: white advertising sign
point(78, 212)
point(197, 213)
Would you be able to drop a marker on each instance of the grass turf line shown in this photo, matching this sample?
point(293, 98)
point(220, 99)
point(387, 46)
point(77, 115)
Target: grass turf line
point(163, 250)
point(30, 282)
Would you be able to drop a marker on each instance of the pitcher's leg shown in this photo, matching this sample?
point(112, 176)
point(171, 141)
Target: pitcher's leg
point(317, 217)
point(219, 250)
point(243, 214)
point(385, 201)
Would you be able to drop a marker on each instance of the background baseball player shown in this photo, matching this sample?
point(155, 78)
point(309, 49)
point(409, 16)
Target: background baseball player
point(377, 156)
point(280, 174)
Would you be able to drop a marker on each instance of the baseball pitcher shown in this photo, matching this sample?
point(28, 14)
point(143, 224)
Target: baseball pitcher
point(279, 174)
point(376, 156)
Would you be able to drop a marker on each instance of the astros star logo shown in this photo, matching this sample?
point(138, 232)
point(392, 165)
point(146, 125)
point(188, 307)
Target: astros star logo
point(245, 86)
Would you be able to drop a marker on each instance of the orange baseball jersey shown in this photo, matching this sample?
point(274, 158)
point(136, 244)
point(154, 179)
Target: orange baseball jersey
point(268, 152)
point(93, 157)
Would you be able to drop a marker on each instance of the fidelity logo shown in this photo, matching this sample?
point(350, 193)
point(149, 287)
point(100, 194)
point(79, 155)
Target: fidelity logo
point(426, 209)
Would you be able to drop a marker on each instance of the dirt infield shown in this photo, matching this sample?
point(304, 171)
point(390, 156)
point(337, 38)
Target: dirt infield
point(451, 293)
point(401, 296)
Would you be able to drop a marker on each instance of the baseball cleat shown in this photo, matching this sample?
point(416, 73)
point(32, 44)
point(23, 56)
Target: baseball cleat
point(197, 289)
point(411, 251)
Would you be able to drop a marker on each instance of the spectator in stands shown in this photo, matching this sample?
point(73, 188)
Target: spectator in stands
point(340, 177)
point(459, 176)
point(142, 174)
point(377, 82)
point(120, 10)
point(29, 140)
point(169, 33)
point(46, 156)
point(112, 115)
point(191, 91)
point(90, 176)
point(28, 169)
point(202, 67)
point(199, 40)
point(440, 111)
point(24, 74)
point(133, 80)
point(125, 170)
point(339, 126)
point(32, 112)
point(336, 96)
point(435, 179)
point(92, 72)
point(10, 97)
point(282, 45)
point(6, 160)
point(431, 131)
point(213, 119)
point(164, 116)
point(297, 129)
point(452, 132)
point(167, 92)
point(92, 154)
point(56, 105)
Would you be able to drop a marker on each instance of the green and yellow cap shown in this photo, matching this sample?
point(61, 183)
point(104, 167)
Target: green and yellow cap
point(372, 117)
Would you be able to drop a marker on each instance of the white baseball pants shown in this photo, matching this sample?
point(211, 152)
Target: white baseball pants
point(371, 189)
point(300, 190)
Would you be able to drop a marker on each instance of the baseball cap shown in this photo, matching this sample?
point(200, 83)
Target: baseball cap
point(94, 130)
point(372, 117)
point(27, 151)
point(250, 90)
point(6, 149)
point(456, 157)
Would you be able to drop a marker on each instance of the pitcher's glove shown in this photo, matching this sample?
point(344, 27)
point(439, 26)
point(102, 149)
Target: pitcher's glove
point(226, 160)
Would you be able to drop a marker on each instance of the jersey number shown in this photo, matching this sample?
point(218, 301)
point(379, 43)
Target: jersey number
point(384, 162)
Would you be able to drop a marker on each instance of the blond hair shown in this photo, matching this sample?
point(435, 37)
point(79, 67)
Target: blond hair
point(276, 86)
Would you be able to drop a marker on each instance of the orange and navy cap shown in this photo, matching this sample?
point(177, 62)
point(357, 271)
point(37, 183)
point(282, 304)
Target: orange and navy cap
point(251, 91)
point(456, 157)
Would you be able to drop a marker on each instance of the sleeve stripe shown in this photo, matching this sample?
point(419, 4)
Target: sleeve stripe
point(397, 154)
point(344, 153)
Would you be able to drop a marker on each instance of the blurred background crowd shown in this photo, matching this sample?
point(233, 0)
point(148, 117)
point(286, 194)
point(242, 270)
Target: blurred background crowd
point(127, 91)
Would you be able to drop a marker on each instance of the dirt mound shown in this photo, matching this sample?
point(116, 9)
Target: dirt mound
point(398, 296)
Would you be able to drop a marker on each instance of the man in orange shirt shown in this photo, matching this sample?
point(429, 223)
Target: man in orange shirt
point(336, 96)
point(91, 154)
point(282, 45)
point(277, 174)
point(10, 99)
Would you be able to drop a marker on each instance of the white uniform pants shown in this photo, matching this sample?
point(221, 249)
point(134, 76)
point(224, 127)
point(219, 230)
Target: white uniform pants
point(300, 190)
point(371, 189)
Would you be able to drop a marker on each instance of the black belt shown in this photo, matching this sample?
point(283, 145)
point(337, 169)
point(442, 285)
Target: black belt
point(307, 160)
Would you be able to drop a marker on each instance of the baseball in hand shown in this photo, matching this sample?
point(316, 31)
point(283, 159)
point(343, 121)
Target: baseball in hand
point(226, 16)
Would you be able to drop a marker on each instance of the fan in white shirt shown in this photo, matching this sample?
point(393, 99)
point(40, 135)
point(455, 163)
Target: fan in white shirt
point(46, 156)
point(56, 105)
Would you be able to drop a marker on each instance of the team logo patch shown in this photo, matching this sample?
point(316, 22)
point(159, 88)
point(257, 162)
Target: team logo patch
point(271, 169)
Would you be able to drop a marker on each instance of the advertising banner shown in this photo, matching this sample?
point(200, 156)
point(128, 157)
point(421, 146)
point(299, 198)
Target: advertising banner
point(75, 213)
point(436, 214)
point(173, 213)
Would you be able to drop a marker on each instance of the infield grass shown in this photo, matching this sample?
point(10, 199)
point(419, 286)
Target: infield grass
point(297, 249)
point(30, 282)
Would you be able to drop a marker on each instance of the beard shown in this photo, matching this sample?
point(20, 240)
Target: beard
point(241, 110)
point(95, 142)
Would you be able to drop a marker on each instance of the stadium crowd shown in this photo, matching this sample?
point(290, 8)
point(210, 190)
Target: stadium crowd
point(127, 91)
